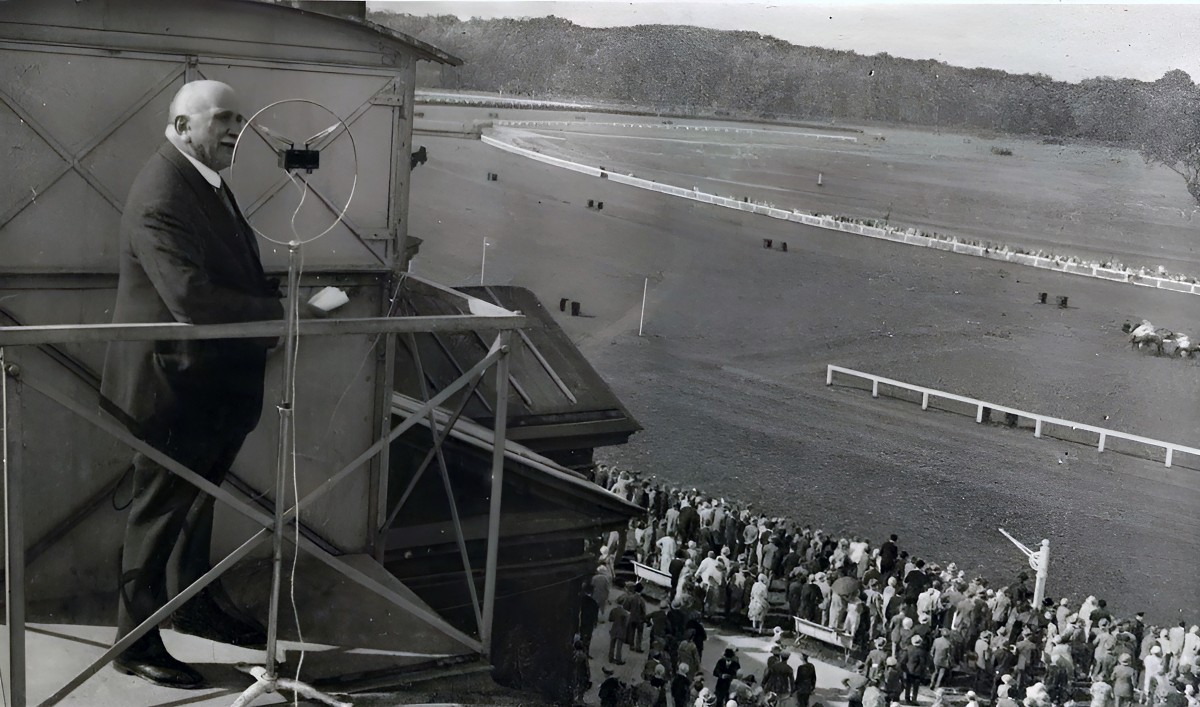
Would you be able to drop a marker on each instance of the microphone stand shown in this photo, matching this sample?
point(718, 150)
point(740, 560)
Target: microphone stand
point(267, 678)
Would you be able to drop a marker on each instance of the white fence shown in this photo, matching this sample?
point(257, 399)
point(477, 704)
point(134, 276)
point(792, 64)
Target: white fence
point(909, 236)
point(568, 125)
point(1039, 421)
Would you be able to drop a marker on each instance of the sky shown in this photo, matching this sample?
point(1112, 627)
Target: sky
point(1069, 41)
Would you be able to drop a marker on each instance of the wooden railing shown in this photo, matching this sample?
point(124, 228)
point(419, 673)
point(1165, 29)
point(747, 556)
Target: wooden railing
point(1040, 422)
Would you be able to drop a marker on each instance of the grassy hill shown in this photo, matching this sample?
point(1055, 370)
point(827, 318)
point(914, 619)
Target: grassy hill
point(691, 69)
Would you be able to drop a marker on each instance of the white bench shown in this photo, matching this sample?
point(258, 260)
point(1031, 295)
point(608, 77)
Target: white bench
point(823, 633)
point(652, 575)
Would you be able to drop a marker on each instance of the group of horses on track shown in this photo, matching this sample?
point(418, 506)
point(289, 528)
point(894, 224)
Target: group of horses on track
point(1162, 342)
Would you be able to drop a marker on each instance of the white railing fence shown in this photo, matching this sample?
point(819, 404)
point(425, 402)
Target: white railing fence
point(984, 408)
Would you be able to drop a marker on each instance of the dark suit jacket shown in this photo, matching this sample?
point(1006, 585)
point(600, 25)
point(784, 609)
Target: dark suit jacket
point(185, 258)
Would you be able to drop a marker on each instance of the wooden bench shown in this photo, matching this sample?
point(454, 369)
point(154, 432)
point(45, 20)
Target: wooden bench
point(823, 633)
point(652, 575)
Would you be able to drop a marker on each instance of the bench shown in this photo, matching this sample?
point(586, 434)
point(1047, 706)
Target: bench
point(652, 575)
point(823, 633)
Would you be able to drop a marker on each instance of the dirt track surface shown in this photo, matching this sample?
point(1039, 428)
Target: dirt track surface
point(729, 378)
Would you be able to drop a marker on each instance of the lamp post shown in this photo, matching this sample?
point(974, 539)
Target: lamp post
point(1039, 561)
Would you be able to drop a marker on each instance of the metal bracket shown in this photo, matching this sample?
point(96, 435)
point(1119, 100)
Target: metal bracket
point(388, 99)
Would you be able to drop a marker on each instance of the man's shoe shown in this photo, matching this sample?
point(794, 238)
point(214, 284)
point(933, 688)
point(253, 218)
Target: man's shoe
point(161, 669)
point(202, 617)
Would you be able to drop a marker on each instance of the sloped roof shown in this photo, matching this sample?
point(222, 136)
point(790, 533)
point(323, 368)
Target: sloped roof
point(223, 27)
point(557, 400)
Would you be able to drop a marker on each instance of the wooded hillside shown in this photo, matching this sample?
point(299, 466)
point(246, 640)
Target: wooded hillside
point(691, 69)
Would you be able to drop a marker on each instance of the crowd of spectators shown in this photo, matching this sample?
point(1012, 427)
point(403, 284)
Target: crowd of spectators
point(911, 623)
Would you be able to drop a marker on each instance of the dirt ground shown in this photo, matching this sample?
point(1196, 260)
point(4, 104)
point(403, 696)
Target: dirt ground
point(728, 379)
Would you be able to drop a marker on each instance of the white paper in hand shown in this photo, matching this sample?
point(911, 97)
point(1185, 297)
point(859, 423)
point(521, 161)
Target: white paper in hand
point(329, 299)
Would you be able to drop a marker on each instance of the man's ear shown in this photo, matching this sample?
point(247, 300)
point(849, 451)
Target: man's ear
point(181, 124)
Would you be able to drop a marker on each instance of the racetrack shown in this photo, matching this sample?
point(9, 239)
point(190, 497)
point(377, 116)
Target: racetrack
point(729, 379)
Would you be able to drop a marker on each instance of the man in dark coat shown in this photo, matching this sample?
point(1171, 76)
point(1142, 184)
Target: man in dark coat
point(917, 664)
point(186, 255)
point(589, 613)
point(725, 671)
point(805, 681)
point(688, 524)
point(795, 590)
point(612, 690)
point(619, 620)
point(681, 687)
point(635, 604)
point(810, 601)
point(888, 552)
point(916, 582)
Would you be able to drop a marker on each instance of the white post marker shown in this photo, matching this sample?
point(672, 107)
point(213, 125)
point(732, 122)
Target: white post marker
point(642, 319)
point(483, 261)
point(1039, 561)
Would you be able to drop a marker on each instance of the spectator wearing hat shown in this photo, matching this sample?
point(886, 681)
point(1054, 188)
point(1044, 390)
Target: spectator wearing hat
point(635, 604)
point(778, 676)
point(1059, 673)
point(810, 600)
point(856, 685)
point(1101, 693)
point(681, 686)
point(581, 672)
point(654, 659)
point(888, 553)
point(653, 692)
point(877, 659)
point(1153, 670)
point(589, 613)
point(1003, 663)
point(795, 590)
point(666, 551)
point(619, 618)
point(983, 662)
point(688, 653)
point(1103, 666)
point(1122, 680)
point(601, 586)
point(942, 656)
point(916, 662)
point(612, 691)
point(1026, 648)
point(892, 683)
point(1191, 646)
point(804, 682)
point(759, 603)
point(725, 671)
point(688, 524)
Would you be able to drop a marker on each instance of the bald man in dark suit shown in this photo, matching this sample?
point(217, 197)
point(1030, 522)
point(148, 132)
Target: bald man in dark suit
point(187, 255)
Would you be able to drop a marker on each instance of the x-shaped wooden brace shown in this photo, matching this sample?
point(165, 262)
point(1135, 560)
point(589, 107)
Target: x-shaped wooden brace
point(347, 569)
point(75, 162)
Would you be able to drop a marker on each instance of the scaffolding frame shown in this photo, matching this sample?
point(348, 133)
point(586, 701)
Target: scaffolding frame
point(495, 319)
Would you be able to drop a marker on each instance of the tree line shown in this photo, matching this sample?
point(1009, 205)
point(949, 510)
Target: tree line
point(693, 70)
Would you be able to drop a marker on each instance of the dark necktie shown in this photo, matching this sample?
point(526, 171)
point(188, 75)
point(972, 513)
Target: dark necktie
point(242, 226)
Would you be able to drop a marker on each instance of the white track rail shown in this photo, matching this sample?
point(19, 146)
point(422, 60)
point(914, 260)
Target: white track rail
point(1039, 421)
point(908, 236)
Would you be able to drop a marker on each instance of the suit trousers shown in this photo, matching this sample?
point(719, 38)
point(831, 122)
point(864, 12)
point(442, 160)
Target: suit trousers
point(168, 533)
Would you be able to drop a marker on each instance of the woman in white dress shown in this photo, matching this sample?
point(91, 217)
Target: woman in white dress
point(758, 603)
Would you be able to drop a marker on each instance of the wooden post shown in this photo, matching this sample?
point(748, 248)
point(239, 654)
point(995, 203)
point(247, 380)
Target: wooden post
point(642, 319)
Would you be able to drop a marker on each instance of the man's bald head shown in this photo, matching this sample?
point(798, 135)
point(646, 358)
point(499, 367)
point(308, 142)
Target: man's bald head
point(205, 121)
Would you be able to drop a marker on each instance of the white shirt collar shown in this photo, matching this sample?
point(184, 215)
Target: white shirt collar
point(205, 171)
